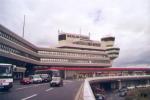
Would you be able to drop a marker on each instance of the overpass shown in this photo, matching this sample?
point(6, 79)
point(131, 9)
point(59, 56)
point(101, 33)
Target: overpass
point(87, 90)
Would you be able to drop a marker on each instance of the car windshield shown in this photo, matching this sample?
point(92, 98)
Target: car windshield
point(55, 78)
point(44, 76)
point(26, 78)
point(5, 71)
point(36, 76)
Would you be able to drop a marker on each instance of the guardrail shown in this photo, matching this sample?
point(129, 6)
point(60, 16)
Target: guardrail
point(87, 90)
point(79, 95)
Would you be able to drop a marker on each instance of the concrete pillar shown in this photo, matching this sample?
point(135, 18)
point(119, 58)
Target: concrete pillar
point(148, 82)
point(94, 74)
point(120, 84)
point(65, 74)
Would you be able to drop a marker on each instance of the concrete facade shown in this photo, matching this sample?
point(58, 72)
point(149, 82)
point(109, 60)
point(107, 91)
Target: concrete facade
point(73, 51)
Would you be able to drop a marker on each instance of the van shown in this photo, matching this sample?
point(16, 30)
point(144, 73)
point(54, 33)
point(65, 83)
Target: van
point(56, 81)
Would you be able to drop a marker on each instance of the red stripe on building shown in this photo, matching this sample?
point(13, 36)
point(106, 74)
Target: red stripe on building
point(95, 69)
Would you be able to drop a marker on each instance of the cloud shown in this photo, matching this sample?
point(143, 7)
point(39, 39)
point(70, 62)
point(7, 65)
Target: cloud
point(127, 20)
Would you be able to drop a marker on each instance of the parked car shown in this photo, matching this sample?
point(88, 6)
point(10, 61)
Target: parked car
point(99, 96)
point(25, 80)
point(122, 93)
point(98, 90)
point(56, 81)
point(45, 77)
point(123, 89)
point(35, 79)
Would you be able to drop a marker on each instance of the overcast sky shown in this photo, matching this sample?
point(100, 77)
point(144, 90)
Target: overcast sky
point(127, 20)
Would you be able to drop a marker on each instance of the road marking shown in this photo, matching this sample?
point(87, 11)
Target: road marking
point(49, 89)
point(29, 86)
point(29, 97)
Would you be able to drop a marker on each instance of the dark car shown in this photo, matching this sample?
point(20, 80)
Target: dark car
point(99, 97)
point(26, 80)
point(56, 81)
point(45, 78)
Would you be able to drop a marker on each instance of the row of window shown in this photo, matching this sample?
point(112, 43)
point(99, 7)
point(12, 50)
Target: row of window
point(15, 51)
point(6, 36)
point(113, 51)
point(110, 49)
point(72, 54)
point(73, 60)
point(88, 44)
point(77, 36)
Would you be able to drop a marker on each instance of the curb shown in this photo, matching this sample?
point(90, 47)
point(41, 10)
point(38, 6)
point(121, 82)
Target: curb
point(79, 95)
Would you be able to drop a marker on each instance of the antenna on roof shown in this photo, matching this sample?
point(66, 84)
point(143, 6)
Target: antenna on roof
point(23, 26)
point(58, 31)
point(89, 35)
point(80, 31)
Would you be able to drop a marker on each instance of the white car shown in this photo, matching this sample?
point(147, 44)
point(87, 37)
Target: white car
point(56, 81)
point(35, 79)
point(131, 87)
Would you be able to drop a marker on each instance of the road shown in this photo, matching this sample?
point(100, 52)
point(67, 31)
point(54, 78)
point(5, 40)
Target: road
point(113, 96)
point(42, 92)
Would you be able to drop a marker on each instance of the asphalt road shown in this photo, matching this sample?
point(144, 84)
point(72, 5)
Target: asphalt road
point(42, 92)
point(113, 96)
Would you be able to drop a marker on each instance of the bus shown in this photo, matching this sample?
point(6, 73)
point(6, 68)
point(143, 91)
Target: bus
point(6, 76)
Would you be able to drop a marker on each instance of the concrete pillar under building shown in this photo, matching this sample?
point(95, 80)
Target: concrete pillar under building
point(148, 82)
point(94, 74)
point(65, 74)
point(120, 84)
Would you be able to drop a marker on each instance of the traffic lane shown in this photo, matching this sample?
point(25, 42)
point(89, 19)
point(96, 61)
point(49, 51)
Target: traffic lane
point(66, 92)
point(23, 91)
point(31, 91)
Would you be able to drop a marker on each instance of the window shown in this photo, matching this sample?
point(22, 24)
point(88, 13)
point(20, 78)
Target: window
point(62, 37)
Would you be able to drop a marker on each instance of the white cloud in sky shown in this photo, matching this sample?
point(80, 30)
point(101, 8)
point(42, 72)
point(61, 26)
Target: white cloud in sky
point(127, 20)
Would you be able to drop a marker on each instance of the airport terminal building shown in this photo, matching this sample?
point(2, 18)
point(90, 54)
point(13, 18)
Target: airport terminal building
point(75, 54)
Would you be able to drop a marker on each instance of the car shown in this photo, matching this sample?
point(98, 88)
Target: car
point(56, 81)
point(99, 96)
point(98, 90)
point(131, 87)
point(45, 77)
point(35, 78)
point(123, 89)
point(122, 93)
point(25, 80)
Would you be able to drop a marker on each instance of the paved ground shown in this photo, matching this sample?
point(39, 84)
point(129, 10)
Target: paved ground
point(42, 92)
point(113, 96)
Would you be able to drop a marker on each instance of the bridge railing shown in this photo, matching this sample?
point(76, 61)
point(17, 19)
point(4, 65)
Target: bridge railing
point(87, 90)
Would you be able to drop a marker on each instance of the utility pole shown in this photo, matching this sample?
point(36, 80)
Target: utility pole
point(23, 26)
point(80, 31)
